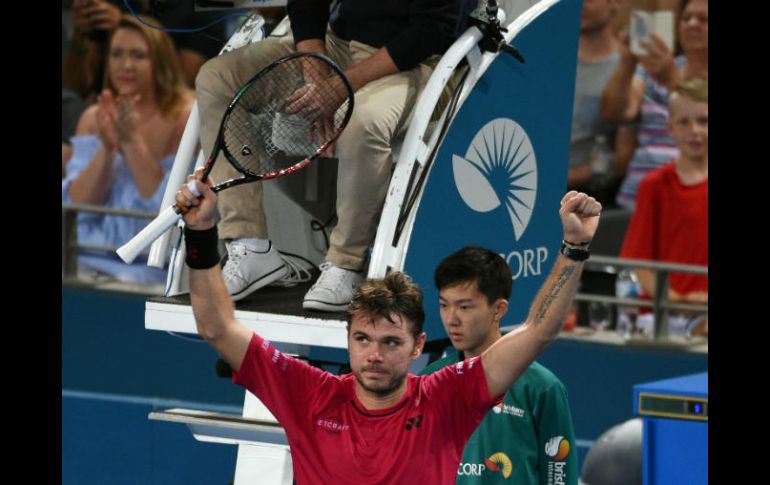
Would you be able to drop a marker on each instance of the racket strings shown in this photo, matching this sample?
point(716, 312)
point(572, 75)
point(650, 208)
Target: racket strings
point(286, 116)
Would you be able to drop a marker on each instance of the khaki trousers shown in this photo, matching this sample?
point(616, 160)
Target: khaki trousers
point(363, 149)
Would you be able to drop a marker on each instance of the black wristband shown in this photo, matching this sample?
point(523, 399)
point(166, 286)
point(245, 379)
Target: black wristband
point(580, 244)
point(575, 254)
point(202, 248)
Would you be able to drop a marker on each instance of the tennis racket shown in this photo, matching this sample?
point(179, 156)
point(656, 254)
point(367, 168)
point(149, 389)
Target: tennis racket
point(285, 117)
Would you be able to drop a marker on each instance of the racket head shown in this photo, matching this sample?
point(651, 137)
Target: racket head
point(286, 116)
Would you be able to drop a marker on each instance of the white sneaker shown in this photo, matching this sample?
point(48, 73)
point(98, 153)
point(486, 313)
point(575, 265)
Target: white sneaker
point(333, 290)
point(246, 271)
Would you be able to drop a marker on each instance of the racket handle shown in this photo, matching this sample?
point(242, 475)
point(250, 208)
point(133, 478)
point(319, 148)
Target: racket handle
point(129, 251)
point(191, 186)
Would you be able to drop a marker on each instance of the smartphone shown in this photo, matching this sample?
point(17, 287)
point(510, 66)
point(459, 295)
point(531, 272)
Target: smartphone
point(642, 23)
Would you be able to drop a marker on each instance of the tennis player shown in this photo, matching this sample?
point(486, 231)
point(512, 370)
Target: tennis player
point(378, 424)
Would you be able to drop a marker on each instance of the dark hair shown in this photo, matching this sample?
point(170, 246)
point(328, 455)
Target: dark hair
point(383, 297)
point(472, 263)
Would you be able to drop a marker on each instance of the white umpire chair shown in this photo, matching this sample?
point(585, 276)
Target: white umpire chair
point(275, 313)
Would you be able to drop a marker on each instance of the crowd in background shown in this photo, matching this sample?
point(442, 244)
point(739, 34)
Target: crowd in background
point(637, 150)
point(127, 93)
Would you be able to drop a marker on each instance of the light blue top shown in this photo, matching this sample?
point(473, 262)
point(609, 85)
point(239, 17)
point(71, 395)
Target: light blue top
point(109, 230)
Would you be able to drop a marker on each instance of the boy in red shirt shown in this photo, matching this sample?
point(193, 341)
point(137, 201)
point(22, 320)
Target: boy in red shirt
point(670, 221)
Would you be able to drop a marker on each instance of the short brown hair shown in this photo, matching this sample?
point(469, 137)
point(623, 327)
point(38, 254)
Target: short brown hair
point(696, 89)
point(396, 293)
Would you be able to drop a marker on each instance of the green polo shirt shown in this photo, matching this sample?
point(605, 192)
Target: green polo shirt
point(528, 438)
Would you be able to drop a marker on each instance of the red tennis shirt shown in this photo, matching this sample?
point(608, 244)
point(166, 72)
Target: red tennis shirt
point(334, 439)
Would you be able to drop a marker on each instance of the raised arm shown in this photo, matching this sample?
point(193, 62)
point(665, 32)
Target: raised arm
point(92, 185)
point(622, 96)
point(213, 309)
point(510, 356)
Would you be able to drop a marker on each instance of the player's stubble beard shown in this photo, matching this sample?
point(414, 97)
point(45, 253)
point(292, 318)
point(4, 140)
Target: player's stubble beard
point(386, 388)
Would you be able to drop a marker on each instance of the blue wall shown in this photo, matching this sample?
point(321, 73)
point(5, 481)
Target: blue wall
point(114, 372)
point(109, 440)
point(106, 348)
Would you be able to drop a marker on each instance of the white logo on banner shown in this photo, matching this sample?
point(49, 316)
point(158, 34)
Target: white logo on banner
point(499, 167)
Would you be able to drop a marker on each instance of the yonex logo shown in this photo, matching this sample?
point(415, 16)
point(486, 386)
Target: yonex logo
point(414, 422)
point(499, 167)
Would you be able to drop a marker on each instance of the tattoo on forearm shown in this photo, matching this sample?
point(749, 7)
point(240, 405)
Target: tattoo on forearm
point(553, 292)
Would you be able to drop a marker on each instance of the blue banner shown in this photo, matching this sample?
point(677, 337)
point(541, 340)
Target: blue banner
point(501, 171)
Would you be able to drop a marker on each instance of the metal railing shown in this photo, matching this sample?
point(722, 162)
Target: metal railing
point(660, 304)
point(69, 233)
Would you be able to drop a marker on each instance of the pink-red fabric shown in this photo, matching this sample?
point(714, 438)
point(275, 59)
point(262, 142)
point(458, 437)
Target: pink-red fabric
point(670, 223)
point(335, 440)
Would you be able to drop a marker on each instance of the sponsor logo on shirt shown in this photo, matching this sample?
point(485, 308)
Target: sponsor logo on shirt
point(503, 408)
point(460, 367)
point(332, 425)
point(498, 463)
point(276, 357)
point(557, 448)
point(413, 422)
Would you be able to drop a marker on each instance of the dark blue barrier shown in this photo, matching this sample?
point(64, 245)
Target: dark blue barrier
point(106, 349)
point(107, 440)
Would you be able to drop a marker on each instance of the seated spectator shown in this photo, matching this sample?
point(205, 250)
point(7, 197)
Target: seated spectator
point(670, 222)
point(124, 145)
point(598, 56)
point(640, 93)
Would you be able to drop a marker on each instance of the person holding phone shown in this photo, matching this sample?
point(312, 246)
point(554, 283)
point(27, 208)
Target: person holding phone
point(637, 93)
point(84, 64)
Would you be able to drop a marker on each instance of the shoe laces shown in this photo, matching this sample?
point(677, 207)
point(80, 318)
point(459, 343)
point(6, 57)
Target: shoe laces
point(297, 273)
point(332, 277)
point(235, 253)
